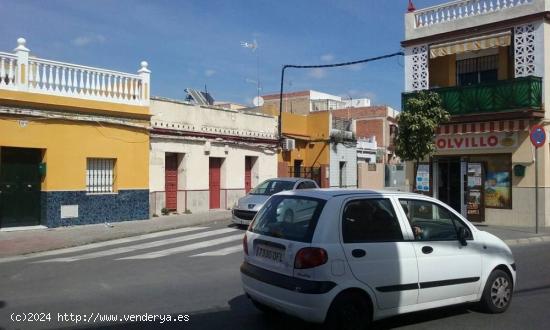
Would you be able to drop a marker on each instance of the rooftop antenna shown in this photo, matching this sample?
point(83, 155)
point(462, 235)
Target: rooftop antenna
point(253, 46)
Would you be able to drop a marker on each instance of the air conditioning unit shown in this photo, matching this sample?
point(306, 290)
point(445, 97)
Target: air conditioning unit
point(288, 144)
point(348, 135)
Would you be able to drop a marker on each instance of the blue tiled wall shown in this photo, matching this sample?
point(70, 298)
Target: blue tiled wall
point(122, 206)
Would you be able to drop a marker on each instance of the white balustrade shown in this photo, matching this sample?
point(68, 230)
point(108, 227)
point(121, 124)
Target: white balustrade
point(64, 79)
point(8, 70)
point(457, 10)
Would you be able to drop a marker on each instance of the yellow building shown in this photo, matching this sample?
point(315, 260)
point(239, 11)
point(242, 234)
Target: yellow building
point(319, 147)
point(74, 145)
point(490, 65)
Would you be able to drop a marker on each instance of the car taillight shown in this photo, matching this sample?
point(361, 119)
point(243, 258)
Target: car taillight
point(245, 244)
point(310, 257)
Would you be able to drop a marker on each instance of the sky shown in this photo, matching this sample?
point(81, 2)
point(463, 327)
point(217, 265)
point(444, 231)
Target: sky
point(197, 43)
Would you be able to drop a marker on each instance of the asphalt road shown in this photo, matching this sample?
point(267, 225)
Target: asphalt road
point(198, 280)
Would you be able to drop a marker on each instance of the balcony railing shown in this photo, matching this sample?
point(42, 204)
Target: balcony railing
point(504, 95)
point(456, 10)
point(19, 72)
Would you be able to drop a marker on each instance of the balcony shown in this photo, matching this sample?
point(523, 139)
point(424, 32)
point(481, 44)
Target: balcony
point(457, 10)
point(20, 72)
point(523, 93)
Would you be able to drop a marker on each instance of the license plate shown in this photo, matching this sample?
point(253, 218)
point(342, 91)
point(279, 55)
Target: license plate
point(275, 255)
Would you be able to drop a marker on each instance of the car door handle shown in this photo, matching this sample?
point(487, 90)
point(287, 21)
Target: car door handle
point(427, 249)
point(358, 253)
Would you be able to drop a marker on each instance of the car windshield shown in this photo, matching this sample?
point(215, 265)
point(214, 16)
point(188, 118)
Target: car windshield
point(289, 217)
point(271, 187)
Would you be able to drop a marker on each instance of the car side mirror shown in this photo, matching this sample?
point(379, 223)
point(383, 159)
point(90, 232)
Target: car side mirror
point(462, 236)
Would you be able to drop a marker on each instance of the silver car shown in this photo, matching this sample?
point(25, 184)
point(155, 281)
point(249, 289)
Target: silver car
point(246, 207)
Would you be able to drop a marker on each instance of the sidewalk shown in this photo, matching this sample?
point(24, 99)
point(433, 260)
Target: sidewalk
point(28, 241)
point(518, 235)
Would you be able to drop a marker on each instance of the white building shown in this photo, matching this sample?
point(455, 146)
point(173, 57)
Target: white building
point(205, 158)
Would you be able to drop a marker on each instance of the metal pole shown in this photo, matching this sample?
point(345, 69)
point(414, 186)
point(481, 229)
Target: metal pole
point(536, 191)
point(281, 102)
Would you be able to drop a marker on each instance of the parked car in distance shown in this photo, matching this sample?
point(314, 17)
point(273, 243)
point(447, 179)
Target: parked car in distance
point(347, 257)
point(246, 207)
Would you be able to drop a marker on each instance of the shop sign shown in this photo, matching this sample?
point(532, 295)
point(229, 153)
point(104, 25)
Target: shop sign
point(476, 141)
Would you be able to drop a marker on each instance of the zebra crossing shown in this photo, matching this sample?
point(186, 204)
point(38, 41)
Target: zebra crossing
point(190, 241)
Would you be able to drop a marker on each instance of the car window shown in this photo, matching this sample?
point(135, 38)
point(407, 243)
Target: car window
point(370, 220)
point(432, 222)
point(306, 185)
point(288, 217)
point(270, 187)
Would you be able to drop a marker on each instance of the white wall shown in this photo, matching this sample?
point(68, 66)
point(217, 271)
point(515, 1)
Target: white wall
point(340, 152)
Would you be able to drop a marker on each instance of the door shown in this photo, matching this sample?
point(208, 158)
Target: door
point(215, 182)
point(446, 268)
point(341, 175)
point(247, 174)
point(379, 257)
point(449, 183)
point(297, 168)
point(20, 185)
point(171, 181)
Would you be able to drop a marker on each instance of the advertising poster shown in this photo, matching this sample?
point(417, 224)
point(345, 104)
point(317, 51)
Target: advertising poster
point(423, 177)
point(497, 189)
point(474, 202)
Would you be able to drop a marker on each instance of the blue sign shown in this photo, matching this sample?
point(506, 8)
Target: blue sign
point(538, 136)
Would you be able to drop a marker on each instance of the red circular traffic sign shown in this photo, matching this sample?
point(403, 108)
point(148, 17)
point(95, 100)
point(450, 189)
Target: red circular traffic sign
point(538, 136)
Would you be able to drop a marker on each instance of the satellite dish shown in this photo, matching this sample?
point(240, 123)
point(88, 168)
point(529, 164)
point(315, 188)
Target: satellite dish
point(258, 101)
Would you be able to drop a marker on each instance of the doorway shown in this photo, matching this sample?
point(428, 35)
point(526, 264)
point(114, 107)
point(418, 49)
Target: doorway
point(449, 188)
point(215, 165)
point(248, 165)
point(171, 180)
point(20, 186)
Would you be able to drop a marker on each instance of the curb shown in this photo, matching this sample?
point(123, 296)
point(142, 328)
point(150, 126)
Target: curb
point(525, 241)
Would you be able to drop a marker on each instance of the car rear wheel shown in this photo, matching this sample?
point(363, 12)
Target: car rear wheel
point(497, 294)
point(349, 311)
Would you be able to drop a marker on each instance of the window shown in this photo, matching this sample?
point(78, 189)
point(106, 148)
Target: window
point(432, 222)
point(477, 70)
point(498, 182)
point(288, 217)
point(270, 187)
point(306, 185)
point(370, 220)
point(100, 175)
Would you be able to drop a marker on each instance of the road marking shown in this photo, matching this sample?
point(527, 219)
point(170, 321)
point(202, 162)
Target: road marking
point(100, 244)
point(220, 252)
point(131, 248)
point(185, 248)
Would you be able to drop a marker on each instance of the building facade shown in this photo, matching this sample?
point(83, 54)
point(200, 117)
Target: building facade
point(489, 61)
point(203, 157)
point(320, 147)
point(74, 146)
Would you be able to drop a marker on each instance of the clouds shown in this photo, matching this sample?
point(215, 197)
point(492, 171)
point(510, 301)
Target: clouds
point(209, 72)
point(327, 57)
point(85, 40)
point(317, 73)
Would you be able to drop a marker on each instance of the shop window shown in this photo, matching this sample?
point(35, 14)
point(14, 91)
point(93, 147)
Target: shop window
point(100, 175)
point(498, 182)
point(477, 70)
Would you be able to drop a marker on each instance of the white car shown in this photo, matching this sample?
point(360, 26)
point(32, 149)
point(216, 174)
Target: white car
point(246, 207)
point(353, 256)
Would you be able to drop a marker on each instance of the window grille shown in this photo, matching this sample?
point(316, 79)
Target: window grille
point(100, 175)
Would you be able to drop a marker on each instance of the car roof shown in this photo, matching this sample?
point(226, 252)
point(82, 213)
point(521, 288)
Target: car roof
point(289, 179)
point(328, 193)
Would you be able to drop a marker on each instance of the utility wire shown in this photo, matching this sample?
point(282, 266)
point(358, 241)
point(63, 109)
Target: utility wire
point(334, 65)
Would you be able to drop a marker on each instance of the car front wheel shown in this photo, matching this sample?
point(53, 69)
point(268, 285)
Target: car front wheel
point(497, 294)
